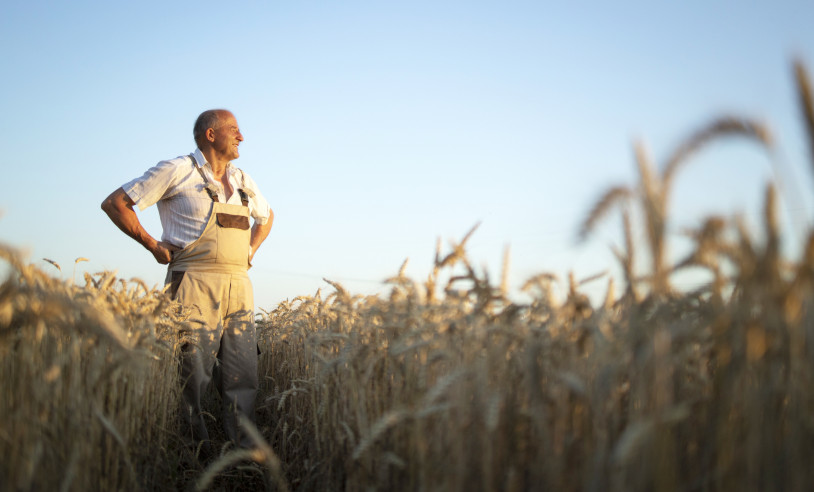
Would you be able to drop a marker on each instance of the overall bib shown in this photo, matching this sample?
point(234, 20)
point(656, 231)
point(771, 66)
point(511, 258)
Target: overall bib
point(210, 277)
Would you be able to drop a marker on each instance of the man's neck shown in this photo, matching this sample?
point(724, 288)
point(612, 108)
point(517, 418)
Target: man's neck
point(218, 165)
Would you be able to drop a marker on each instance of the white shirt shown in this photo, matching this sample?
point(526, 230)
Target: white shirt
point(183, 204)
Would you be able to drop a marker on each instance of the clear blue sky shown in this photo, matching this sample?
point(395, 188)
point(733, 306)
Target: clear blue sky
point(375, 128)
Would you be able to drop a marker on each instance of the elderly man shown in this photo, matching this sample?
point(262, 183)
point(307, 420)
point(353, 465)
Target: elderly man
point(204, 203)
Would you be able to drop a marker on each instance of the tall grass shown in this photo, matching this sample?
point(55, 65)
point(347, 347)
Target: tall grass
point(89, 382)
point(448, 383)
point(657, 390)
point(690, 391)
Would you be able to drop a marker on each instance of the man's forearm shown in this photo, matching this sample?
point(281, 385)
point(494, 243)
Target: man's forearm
point(119, 207)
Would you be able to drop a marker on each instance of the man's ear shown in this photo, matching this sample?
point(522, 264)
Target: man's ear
point(210, 134)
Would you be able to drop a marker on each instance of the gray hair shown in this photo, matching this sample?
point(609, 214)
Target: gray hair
point(206, 120)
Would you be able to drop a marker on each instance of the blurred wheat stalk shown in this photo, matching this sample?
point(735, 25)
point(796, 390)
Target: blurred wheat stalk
point(88, 380)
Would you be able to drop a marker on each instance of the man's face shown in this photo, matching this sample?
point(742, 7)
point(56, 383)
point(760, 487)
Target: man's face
point(227, 137)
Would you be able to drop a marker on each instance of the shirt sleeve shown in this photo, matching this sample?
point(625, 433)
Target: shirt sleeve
point(154, 185)
point(260, 209)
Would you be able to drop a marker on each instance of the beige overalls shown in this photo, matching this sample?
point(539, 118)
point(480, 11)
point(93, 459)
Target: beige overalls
point(210, 276)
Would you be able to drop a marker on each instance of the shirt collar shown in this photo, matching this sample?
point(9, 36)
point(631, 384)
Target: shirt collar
point(201, 161)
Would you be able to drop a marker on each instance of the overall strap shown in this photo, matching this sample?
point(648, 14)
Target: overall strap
point(244, 197)
point(212, 194)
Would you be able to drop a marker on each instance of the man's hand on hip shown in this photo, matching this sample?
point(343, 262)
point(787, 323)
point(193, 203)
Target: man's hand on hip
point(163, 252)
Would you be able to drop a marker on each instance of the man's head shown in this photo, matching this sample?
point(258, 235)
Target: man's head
point(217, 129)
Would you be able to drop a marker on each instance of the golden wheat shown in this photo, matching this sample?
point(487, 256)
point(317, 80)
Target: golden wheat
point(453, 388)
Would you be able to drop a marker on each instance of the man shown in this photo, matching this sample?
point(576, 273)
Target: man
point(204, 203)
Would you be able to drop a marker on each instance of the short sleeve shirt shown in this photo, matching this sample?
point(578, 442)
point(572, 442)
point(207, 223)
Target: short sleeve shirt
point(179, 191)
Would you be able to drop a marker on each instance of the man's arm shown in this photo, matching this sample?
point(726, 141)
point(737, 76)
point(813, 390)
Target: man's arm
point(119, 207)
point(259, 234)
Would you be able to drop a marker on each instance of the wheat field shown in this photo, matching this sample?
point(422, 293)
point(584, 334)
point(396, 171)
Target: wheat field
point(447, 383)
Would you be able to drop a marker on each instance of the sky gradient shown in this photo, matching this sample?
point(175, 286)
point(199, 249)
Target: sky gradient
point(375, 128)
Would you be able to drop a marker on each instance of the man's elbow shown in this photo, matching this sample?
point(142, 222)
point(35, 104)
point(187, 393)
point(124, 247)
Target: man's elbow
point(107, 205)
point(116, 201)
